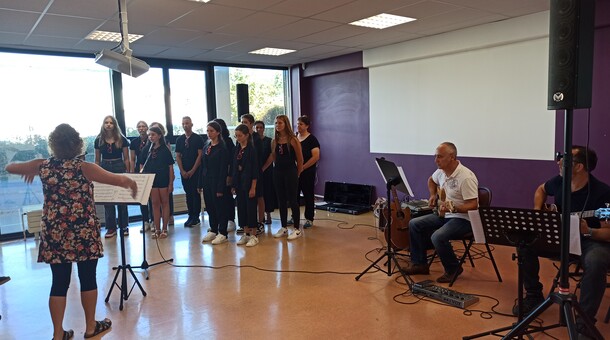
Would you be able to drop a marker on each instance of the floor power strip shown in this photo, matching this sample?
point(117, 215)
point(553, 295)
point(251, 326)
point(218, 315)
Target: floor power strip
point(442, 294)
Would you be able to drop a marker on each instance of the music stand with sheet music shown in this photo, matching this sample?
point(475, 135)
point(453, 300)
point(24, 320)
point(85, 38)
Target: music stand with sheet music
point(523, 229)
point(388, 169)
point(108, 194)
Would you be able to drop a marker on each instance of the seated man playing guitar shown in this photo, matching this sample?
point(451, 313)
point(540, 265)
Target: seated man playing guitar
point(459, 185)
point(588, 193)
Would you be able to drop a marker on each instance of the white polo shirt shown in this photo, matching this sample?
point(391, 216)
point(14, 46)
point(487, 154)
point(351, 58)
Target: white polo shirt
point(461, 186)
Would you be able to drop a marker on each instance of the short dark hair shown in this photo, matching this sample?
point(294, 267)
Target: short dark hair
point(305, 120)
point(259, 122)
point(585, 156)
point(65, 142)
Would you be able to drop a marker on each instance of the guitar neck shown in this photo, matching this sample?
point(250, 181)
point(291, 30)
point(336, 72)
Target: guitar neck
point(584, 214)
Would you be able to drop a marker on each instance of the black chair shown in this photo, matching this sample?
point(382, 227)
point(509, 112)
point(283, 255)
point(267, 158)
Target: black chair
point(468, 239)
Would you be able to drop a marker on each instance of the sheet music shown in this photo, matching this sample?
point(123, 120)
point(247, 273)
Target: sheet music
point(404, 180)
point(105, 193)
point(479, 235)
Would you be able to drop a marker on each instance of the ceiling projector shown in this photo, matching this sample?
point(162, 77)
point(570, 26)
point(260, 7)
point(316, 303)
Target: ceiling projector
point(123, 63)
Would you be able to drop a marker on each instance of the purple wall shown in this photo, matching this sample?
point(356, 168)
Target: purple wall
point(338, 101)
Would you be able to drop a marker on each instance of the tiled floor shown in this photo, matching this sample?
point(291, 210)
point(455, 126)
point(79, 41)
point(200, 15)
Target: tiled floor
point(279, 289)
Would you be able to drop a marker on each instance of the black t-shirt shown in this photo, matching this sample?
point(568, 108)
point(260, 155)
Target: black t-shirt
point(137, 145)
point(285, 157)
point(307, 145)
point(214, 166)
point(188, 147)
point(110, 151)
point(157, 161)
point(597, 198)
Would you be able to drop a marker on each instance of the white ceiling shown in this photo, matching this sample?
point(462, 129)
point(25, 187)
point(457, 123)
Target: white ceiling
point(226, 30)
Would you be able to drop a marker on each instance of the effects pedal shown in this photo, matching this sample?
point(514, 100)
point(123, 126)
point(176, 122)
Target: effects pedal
point(429, 289)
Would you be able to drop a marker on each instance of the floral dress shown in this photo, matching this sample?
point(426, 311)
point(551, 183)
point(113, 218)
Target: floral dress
point(70, 228)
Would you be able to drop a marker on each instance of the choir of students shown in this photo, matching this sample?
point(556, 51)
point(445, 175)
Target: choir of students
point(223, 170)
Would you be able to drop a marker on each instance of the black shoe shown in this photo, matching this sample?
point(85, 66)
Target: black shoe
point(260, 229)
point(195, 223)
point(4, 279)
point(126, 231)
point(446, 277)
point(529, 304)
point(188, 223)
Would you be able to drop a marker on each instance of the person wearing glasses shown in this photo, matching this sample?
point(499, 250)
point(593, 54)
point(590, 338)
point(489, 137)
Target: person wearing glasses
point(189, 149)
point(135, 149)
point(588, 193)
point(213, 181)
point(244, 179)
point(112, 154)
point(287, 159)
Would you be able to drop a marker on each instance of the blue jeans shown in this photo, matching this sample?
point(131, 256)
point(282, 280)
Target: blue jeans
point(440, 231)
point(595, 260)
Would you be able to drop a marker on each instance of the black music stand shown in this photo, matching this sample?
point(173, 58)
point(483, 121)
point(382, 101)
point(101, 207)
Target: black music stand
point(523, 229)
point(122, 269)
point(390, 252)
point(145, 265)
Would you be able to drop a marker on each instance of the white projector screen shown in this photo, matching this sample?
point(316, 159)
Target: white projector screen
point(490, 102)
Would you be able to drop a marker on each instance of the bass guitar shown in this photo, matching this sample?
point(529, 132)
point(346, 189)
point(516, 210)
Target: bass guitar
point(397, 236)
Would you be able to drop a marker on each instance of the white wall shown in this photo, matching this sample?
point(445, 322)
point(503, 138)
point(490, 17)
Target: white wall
point(483, 88)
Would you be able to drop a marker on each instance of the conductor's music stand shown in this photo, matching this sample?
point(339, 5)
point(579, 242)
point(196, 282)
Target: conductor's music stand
point(388, 168)
point(523, 229)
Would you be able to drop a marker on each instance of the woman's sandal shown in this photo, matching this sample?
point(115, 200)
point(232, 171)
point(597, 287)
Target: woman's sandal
point(163, 234)
point(69, 334)
point(155, 234)
point(100, 327)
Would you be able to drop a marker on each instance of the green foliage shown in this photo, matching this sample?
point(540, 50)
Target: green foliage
point(265, 97)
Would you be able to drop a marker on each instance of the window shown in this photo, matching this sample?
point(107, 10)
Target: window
point(143, 99)
point(266, 93)
point(188, 99)
point(39, 93)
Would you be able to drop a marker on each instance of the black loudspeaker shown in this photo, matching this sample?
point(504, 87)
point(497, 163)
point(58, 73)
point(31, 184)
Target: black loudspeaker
point(243, 101)
point(571, 54)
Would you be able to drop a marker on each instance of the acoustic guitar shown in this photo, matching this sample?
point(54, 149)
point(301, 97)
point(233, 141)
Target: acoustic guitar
point(601, 213)
point(398, 238)
point(442, 200)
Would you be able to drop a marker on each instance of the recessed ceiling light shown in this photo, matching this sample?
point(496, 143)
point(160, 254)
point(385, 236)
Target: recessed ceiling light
point(272, 51)
point(200, 0)
point(111, 36)
point(381, 21)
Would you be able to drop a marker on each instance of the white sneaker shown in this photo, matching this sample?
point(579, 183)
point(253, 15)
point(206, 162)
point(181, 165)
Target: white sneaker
point(252, 242)
point(219, 239)
point(281, 233)
point(208, 237)
point(231, 226)
point(243, 240)
point(295, 234)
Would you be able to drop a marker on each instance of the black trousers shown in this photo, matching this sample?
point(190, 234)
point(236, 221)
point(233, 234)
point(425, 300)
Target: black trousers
point(306, 185)
point(193, 197)
point(246, 210)
point(286, 187)
point(216, 208)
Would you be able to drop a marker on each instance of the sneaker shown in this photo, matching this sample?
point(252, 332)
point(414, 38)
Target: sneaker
point(188, 222)
point(126, 231)
point(219, 239)
point(417, 269)
point(209, 237)
point(231, 226)
point(295, 234)
point(252, 242)
point(243, 240)
point(308, 224)
point(290, 222)
point(240, 230)
point(446, 277)
point(529, 304)
point(195, 223)
point(110, 233)
point(260, 229)
point(4, 279)
point(281, 233)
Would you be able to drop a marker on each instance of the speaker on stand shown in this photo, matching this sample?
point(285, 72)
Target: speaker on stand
point(243, 101)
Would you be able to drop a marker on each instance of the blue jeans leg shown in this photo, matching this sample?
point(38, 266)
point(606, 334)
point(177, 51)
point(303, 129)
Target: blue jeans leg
point(596, 262)
point(454, 228)
point(420, 230)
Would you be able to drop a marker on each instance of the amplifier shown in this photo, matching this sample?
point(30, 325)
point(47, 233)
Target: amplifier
point(442, 294)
